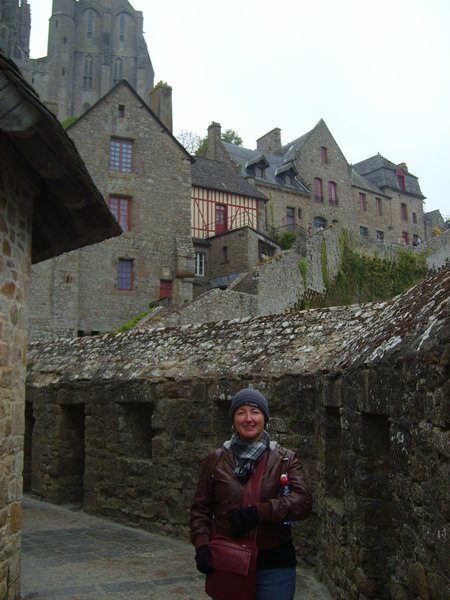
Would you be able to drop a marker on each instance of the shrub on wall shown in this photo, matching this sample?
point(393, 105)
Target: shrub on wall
point(367, 279)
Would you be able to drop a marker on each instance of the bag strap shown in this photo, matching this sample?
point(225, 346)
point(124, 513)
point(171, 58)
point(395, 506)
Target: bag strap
point(252, 492)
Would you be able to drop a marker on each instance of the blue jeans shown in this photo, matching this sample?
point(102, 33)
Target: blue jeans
point(275, 584)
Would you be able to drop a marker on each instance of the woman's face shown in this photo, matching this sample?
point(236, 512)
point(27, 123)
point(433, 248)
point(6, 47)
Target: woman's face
point(249, 423)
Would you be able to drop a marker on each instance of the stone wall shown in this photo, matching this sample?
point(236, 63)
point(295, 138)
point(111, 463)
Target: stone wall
point(360, 392)
point(437, 250)
point(276, 285)
point(16, 204)
point(78, 291)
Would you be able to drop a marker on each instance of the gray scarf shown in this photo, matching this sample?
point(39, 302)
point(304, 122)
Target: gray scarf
point(247, 455)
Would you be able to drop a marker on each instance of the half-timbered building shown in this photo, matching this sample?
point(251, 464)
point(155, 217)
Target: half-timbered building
point(228, 224)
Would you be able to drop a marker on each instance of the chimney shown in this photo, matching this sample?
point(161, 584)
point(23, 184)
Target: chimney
point(214, 141)
point(270, 142)
point(161, 103)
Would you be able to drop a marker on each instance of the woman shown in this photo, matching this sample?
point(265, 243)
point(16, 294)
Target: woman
point(220, 491)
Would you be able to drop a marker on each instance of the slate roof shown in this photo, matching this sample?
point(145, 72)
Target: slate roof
point(289, 150)
point(218, 175)
point(361, 182)
point(243, 157)
point(382, 173)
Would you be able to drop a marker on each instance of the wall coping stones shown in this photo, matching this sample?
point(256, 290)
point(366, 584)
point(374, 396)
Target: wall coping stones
point(304, 342)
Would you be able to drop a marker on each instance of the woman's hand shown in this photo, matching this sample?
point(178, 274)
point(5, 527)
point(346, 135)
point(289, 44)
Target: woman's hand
point(203, 559)
point(243, 519)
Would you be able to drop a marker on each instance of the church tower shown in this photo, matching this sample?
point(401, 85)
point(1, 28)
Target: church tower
point(92, 44)
point(15, 29)
point(60, 57)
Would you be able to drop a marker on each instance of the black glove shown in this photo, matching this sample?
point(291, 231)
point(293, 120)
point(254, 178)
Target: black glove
point(203, 559)
point(243, 520)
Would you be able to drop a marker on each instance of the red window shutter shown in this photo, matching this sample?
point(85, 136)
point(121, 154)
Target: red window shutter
point(221, 218)
point(318, 190)
point(165, 289)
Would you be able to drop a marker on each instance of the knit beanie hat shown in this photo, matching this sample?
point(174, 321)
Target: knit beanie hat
point(250, 397)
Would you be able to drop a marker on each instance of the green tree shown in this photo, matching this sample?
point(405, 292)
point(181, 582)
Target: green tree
point(229, 135)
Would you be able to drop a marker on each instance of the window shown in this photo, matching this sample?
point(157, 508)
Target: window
point(260, 172)
point(125, 274)
point(324, 155)
point(401, 179)
point(289, 179)
point(225, 254)
point(320, 223)
point(363, 231)
point(121, 209)
point(118, 70)
point(318, 190)
point(121, 155)
point(121, 110)
point(405, 237)
point(200, 264)
point(88, 73)
point(380, 236)
point(122, 28)
point(165, 289)
point(362, 202)
point(221, 218)
point(414, 217)
point(332, 192)
point(290, 219)
point(378, 207)
point(403, 212)
point(89, 24)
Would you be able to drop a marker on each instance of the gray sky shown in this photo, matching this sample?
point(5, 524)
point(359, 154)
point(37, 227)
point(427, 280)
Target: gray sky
point(376, 71)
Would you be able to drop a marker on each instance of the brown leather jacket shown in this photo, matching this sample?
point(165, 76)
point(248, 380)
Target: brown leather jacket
point(219, 491)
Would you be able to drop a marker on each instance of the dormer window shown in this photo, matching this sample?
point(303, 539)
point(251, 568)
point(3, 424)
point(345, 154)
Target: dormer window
point(401, 180)
point(260, 172)
point(286, 174)
point(257, 166)
point(289, 179)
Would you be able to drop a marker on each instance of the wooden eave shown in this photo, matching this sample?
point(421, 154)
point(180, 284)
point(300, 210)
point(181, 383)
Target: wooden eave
point(69, 212)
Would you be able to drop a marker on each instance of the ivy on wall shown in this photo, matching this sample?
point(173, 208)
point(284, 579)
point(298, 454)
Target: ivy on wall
point(367, 278)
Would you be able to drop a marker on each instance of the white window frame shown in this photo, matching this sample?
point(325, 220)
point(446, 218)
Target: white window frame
point(200, 264)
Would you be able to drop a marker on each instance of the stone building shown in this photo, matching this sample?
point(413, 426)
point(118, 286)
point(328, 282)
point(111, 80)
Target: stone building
point(398, 217)
point(144, 175)
point(48, 205)
point(311, 185)
point(92, 45)
point(228, 224)
point(15, 29)
point(359, 392)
